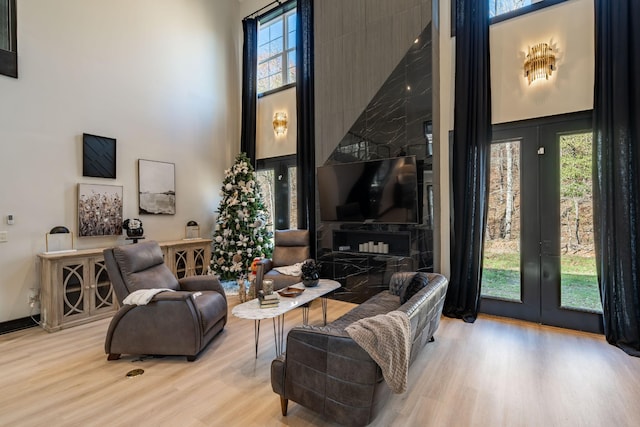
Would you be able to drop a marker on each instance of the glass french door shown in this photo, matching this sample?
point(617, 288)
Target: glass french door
point(539, 259)
point(278, 181)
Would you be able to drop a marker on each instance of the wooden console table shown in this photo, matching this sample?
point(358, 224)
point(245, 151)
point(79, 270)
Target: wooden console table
point(75, 287)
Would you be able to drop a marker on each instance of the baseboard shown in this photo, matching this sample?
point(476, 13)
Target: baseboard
point(18, 324)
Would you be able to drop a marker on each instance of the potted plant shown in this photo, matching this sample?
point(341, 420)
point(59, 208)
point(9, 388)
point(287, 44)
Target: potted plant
point(310, 273)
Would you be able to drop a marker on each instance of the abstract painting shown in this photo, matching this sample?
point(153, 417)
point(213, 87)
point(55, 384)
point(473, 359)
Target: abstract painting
point(157, 187)
point(99, 210)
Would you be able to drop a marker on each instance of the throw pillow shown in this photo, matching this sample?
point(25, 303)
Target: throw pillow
point(418, 282)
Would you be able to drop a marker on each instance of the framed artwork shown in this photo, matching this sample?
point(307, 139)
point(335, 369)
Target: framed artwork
point(98, 156)
point(156, 187)
point(99, 210)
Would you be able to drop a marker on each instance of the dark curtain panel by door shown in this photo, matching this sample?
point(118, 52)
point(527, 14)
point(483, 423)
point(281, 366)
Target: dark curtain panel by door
point(306, 124)
point(617, 169)
point(249, 88)
point(470, 175)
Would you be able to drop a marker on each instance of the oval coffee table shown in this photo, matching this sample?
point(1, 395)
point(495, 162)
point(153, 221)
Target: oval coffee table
point(251, 310)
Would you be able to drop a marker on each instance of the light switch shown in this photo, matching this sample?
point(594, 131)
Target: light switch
point(4, 236)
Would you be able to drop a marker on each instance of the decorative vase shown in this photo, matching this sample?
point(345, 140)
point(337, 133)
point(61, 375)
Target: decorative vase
point(252, 290)
point(311, 281)
point(242, 291)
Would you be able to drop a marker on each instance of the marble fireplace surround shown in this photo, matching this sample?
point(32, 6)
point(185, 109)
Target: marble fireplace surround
point(396, 122)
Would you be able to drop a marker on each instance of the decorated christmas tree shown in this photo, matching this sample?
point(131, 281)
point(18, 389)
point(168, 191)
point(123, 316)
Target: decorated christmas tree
point(240, 233)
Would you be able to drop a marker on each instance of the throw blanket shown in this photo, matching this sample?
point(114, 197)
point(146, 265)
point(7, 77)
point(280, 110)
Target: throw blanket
point(290, 270)
point(387, 339)
point(143, 296)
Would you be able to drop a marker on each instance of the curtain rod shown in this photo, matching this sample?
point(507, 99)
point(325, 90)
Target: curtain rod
point(262, 8)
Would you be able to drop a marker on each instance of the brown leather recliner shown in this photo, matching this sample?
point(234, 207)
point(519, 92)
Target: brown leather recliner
point(291, 247)
point(178, 323)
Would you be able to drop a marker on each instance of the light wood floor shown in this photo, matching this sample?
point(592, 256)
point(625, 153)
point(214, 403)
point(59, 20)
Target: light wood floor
point(495, 372)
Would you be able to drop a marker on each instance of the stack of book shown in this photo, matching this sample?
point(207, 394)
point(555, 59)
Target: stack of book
point(268, 300)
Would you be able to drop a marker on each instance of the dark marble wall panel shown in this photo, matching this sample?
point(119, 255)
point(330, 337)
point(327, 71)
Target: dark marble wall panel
point(395, 116)
point(391, 124)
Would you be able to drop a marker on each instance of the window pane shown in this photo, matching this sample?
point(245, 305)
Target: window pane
point(275, 46)
point(263, 36)
point(4, 25)
point(275, 65)
point(266, 181)
point(275, 29)
point(579, 282)
point(263, 70)
point(291, 22)
point(501, 266)
point(291, 75)
point(291, 40)
point(291, 31)
point(293, 197)
point(291, 58)
point(263, 52)
point(276, 39)
point(275, 81)
point(498, 7)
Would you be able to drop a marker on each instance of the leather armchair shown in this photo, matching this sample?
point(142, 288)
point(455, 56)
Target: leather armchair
point(181, 322)
point(291, 247)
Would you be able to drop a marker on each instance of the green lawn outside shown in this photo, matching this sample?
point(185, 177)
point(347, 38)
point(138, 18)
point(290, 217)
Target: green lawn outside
point(501, 279)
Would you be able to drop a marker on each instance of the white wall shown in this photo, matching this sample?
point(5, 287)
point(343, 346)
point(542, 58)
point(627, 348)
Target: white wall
point(569, 26)
point(268, 144)
point(160, 76)
point(569, 29)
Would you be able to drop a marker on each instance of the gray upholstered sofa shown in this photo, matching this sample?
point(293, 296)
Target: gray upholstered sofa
point(325, 370)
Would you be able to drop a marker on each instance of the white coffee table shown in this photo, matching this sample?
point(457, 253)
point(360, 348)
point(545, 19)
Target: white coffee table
point(251, 310)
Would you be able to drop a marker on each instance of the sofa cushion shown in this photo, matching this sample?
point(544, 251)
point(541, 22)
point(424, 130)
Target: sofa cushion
point(289, 255)
point(291, 238)
point(380, 303)
point(419, 281)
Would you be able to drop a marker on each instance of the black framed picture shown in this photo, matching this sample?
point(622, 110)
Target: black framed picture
point(98, 156)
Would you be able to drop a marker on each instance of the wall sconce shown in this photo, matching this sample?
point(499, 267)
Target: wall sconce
point(280, 123)
point(540, 62)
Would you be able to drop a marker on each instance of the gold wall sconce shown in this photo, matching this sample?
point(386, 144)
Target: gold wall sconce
point(540, 62)
point(280, 123)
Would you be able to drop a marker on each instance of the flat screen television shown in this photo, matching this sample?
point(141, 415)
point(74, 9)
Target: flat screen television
point(376, 191)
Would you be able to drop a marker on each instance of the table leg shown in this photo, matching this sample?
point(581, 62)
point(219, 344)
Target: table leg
point(256, 334)
point(278, 334)
point(324, 311)
point(305, 314)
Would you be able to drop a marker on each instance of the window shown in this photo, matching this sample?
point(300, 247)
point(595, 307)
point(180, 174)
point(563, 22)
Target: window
point(8, 52)
point(277, 52)
point(277, 177)
point(498, 7)
point(513, 8)
point(501, 10)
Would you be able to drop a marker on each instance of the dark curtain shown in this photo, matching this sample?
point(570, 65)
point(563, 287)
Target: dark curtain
point(471, 142)
point(249, 88)
point(617, 172)
point(306, 157)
